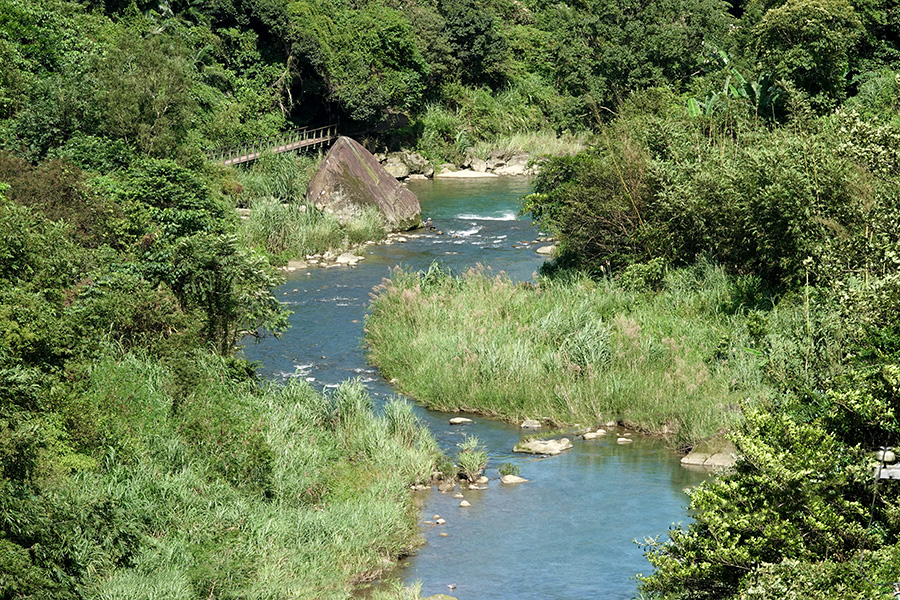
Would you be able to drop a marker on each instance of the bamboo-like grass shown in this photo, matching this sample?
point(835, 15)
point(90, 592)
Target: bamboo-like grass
point(678, 362)
point(237, 492)
point(296, 230)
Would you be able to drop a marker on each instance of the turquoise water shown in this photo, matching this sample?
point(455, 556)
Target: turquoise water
point(566, 534)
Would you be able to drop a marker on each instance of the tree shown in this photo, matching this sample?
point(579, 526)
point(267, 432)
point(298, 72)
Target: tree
point(230, 285)
point(478, 44)
point(810, 43)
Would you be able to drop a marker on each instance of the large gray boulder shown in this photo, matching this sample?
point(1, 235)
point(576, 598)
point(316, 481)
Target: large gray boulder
point(350, 179)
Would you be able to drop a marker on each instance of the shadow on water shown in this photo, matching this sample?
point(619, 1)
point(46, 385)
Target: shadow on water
point(569, 531)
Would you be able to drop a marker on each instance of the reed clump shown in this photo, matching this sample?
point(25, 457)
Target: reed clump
point(289, 231)
point(680, 361)
point(207, 483)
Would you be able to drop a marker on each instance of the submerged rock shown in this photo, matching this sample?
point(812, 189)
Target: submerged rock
point(546, 447)
point(350, 179)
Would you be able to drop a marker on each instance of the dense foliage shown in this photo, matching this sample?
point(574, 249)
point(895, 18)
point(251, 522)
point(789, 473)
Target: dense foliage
point(762, 136)
point(790, 180)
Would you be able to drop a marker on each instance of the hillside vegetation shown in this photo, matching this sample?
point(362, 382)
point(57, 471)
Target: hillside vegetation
point(742, 163)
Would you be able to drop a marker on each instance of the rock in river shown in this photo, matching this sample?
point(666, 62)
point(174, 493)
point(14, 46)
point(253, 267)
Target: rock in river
point(350, 179)
point(460, 421)
point(547, 447)
point(512, 479)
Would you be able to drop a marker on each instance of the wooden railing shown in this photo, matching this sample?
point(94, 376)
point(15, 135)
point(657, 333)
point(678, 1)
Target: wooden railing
point(288, 141)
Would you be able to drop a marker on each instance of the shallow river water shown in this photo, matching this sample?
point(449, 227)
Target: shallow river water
point(566, 534)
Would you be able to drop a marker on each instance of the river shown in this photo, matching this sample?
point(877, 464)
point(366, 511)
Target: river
point(566, 534)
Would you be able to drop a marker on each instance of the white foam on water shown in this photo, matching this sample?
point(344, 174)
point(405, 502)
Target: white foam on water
point(506, 216)
point(466, 232)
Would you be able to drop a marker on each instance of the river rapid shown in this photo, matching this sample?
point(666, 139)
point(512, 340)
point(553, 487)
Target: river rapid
point(566, 534)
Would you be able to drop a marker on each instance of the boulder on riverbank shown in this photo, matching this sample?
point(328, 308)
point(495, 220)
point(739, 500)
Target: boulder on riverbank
point(465, 174)
point(350, 179)
point(543, 447)
point(715, 452)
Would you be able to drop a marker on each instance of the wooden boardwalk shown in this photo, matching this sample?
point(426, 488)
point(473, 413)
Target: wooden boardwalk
point(296, 139)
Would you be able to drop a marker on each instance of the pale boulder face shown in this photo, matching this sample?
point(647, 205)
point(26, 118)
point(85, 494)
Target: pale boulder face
point(545, 447)
point(350, 179)
point(512, 479)
point(715, 452)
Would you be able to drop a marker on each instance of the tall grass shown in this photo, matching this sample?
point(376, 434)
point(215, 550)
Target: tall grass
point(283, 177)
point(295, 230)
point(241, 492)
point(680, 361)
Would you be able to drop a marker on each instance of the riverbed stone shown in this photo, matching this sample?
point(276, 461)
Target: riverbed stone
point(396, 167)
point(350, 179)
point(714, 452)
point(511, 479)
point(465, 504)
point(515, 166)
point(547, 250)
point(464, 174)
point(296, 265)
point(416, 163)
point(624, 440)
point(544, 447)
point(460, 421)
point(531, 424)
point(593, 435)
point(347, 258)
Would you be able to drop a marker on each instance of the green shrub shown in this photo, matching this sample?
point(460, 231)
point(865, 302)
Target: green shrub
point(510, 469)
